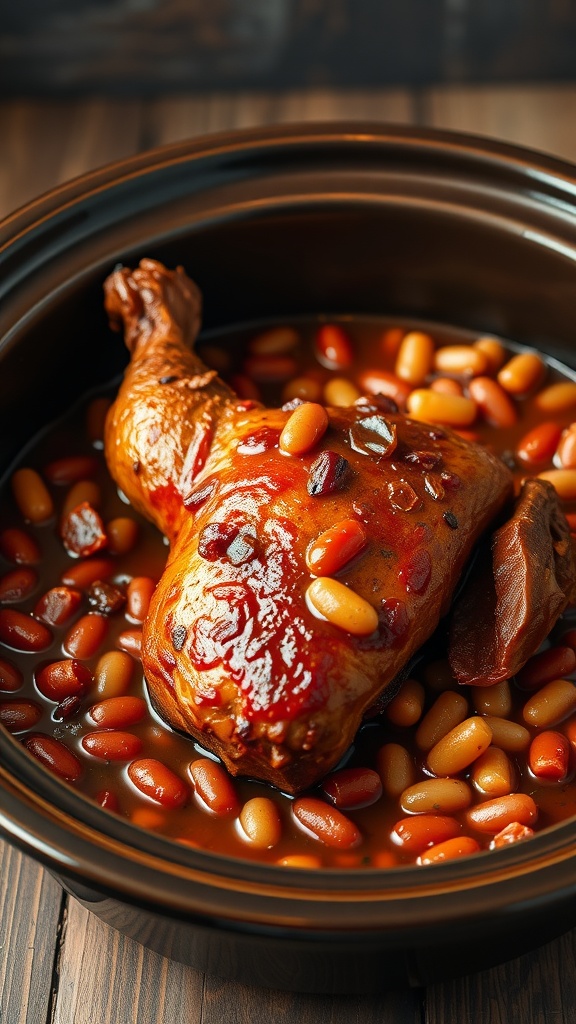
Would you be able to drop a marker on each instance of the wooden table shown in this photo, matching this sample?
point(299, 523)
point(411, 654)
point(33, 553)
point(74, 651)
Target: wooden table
point(58, 963)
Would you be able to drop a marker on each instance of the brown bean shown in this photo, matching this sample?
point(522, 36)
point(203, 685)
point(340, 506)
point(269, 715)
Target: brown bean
point(32, 496)
point(108, 799)
point(460, 846)
point(325, 823)
point(19, 715)
point(556, 398)
point(419, 831)
point(84, 492)
point(130, 640)
point(553, 663)
point(82, 574)
point(342, 606)
point(334, 548)
point(112, 745)
point(493, 773)
point(383, 382)
point(494, 351)
point(17, 584)
point(433, 407)
point(539, 444)
point(274, 341)
point(442, 796)
point(447, 711)
point(460, 747)
point(549, 756)
point(307, 388)
point(522, 373)
point(58, 605)
point(113, 674)
point(54, 755)
point(61, 679)
point(464, 360)
point(11, 678)
point(353, 787)
point(563, 482)
point(396, 769)
point(19, 546)
point(405, 709)
point(340, 392)
point(510, 736)
point(300, 860)
point(214, 787)
point(304, 428)
point(549, 705)
point(494, 403)
point(333, 347)
point(260, 822)
point(23, 633)
point(138, 595)
point(85, 637)
point(446, 386)
point(493, 700)
point(154, 779)
point(415, 358)
point(70, 468)
point(122, 533)
point(95, 420)
point(118, 712)
point(566, 451)
point(493, 815)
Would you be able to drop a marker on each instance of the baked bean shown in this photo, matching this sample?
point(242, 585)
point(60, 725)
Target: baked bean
point(405, 709)
point(563, 481)
point(112, 745)
point(260, 822)
point(270, 369)
point(510, 736)
point(54, 755)
point(568, 639)
point(493, 774)
point(493, 700)
point(11, 678)
point(96, 414)
point(154, 779)
point(57, 605)
point(539, 444)
point(17, 584)
point(82, 574)
point(148, 819)
point(353, 787)
point(138, 595)
point(113, 674)
point(66, 471)
point(556, 398)
point(383, 382)
point(325, 823)
point(304, 428)
point(85, 637)
point(390, 342)
point(443, 796)
point(32, 496)
point(333, 347)
point(549, 756)
point(511, 833)
point(61, 679)
point(446, 386)
point(83, 492)
point(19, 547)
point(566, 450)
point(494, 351)
point(492, 816)
point(19, 715)
point(340, 392)
point(334, 548)
point(275, 341)
point(460, 747)
point(521, 374)
point(306, 388)
point(553, 663)
point(342, 606)
point(23, 633)
point(118, 712)
point(465, 360)
point(447, 711)
point(493, 402)
point(460, 846)
point(130, 640)
point(419, 831)
point(396, 769)
point(415, 358)
point(551, 704)
point(122, 534)
point(214, 787)
point(432, 407)
point(300, 860)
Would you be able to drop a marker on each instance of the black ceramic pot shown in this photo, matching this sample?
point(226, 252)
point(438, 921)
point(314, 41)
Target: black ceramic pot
point(347, 219)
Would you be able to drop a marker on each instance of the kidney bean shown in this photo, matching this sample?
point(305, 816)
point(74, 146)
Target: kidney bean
point(138, 595)
point(66, 471)
point(19, 715)
point(22, 632)
point(95, 420)
point(86, 492)
point(20, 547)
point(334, 548)
point(108, 799)
point(550, 664)
point(260, 822)
point(112, 745)
point(275, 341)
point(214, 788)
point(85, 637)
point(11, 678)
point(460, 846)
point(563, 482)
point(17, 584)
point(493, 815)
point(353, 787)
point(342, 606)
point(130, 640)
point(494, 403)
point(58, 605)
point(493, 773)
point(32, 496)
point(61, 679)
point(325, 823)
point(154, 779)
point(83, 574)
point(405, 709)
point(549, 756)
point(383, 382)
point(539, 444)
point(122, 534)
point(118, 712)
point(66, 708)
point(55, 755)
point(416, 833)
point(396, 768)
point(333, 347)
point(113, 674)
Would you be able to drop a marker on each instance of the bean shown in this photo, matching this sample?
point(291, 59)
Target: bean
point(353, 787)
point(549, 756)
point(304, 428)
point(340, 392)
point(112, 745)
point(510, 736)
point(539, 444)
point(17, 584)
point(66, 471)
point(54, 755)
point(460, 747)
point(325, 823)
point(260, 822)
point(61, 679)
point(306, 388)
point(494, 351)
point(275, 341)
point(84, 492)
point(96, 419)
point(556, 398)
point(245, 387)
point(118, 712)
point(566, 450)
point(23, 633)
point(85, 637)
point(342, 606)
point(415, 358)
point(150, 820)
point(19, 715)
point(20, 547)
point(512, 833)
point(416, 833)
point(493, 700)
point(405, 709)
point(466, 360)
point(333, 347)
point(396, 769)
point(447, 711)
point(154, 779)
point(113, 674)
point(563, 481)
point(446, 386)
point(138, 595)
point(432, 407)
point(570, 732)
point(130, 640)
point(549, 705)
point(390, 342)
point(522, 374)
point(493, 774)
point(492, 816)
point(32, 496)
point(122, 534)
point(108, 799)
point(82, 574)
point(444, 796)
point(214, 787)
point(58, 605)
point(460, 846)
point(383, 382)
point(300, 860)
point(493, 402)
point(11, 678)
point(270, 369)
point(547, 665)
point(334, 548)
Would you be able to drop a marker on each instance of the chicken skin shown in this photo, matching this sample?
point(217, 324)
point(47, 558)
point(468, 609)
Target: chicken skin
point(235, 652)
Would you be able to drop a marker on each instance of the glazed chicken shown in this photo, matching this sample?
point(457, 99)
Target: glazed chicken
point(267, 663)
